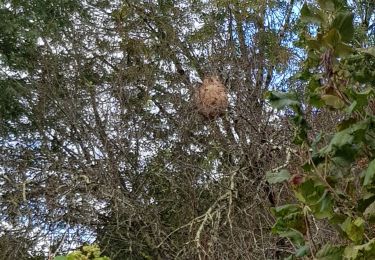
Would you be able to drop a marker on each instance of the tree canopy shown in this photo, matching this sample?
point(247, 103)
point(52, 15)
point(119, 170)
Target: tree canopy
point(101, 139)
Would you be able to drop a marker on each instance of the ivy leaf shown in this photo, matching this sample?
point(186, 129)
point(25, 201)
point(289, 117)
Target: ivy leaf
point(329, 252)
point(343, 22)
point(277, 177)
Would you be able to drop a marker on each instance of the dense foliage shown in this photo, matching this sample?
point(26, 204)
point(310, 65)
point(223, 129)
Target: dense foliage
point(336, 180)
point(100, 140)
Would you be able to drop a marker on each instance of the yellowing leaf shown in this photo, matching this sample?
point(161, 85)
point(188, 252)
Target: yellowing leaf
point(333, 101)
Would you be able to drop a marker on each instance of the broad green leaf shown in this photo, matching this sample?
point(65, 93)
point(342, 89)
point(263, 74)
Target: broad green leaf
point(343, 22)
point(303, 251)
point(300, 134)
point(295, 236)
point(343, 50)
point(285, 209)
point(333, 101)
point(277, 177)
point(361, 97)
point(314, 44)
point(324, 208)
point(354, 229)
point(60, 258)
point(327, 5)
point(281, 100)
point(330, 252)
point(310, 16)
point(290, 257)
point(316, 197)
point(367, 199)
point(345, 124)
point(365, 251)
point(369, 213)
point(339, 140)
point(288, 218)
point(316, 100)
point(370, 50)
point(332, 38)
point(350, 109)
point(369, 174)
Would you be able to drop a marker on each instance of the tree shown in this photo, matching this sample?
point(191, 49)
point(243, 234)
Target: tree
point(334, 183)
point(102, 142)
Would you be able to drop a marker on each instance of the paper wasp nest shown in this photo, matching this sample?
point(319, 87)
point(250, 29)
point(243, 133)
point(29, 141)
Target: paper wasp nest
point(211, 97)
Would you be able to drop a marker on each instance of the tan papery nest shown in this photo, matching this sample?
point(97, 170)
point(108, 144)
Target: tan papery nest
point(211, 98)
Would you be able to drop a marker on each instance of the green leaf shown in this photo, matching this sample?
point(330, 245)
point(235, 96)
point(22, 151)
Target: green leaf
point(339, 140)
point(327, 5)
point(369, 174)
point(343, 50)
point(350, 109)
point(284, 210)
point(333, 101)
point(309, 16)
point(347, 123)
point(303, 251)
point(369, 212)
point(362, 97)
point(370, 50)
point(281, 100)
point(60, 258)
point(295, 236)
point(329, 252)
point(314, 44)
point(365, 251)
point(343, 22)
point(332, 38)
point(367, 199)
point(317, 197)
point(277, 177)
point(288, 218)
point(354, 229)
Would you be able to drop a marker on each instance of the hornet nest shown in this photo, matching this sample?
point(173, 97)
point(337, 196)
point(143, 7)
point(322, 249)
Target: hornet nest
point(211, 97)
